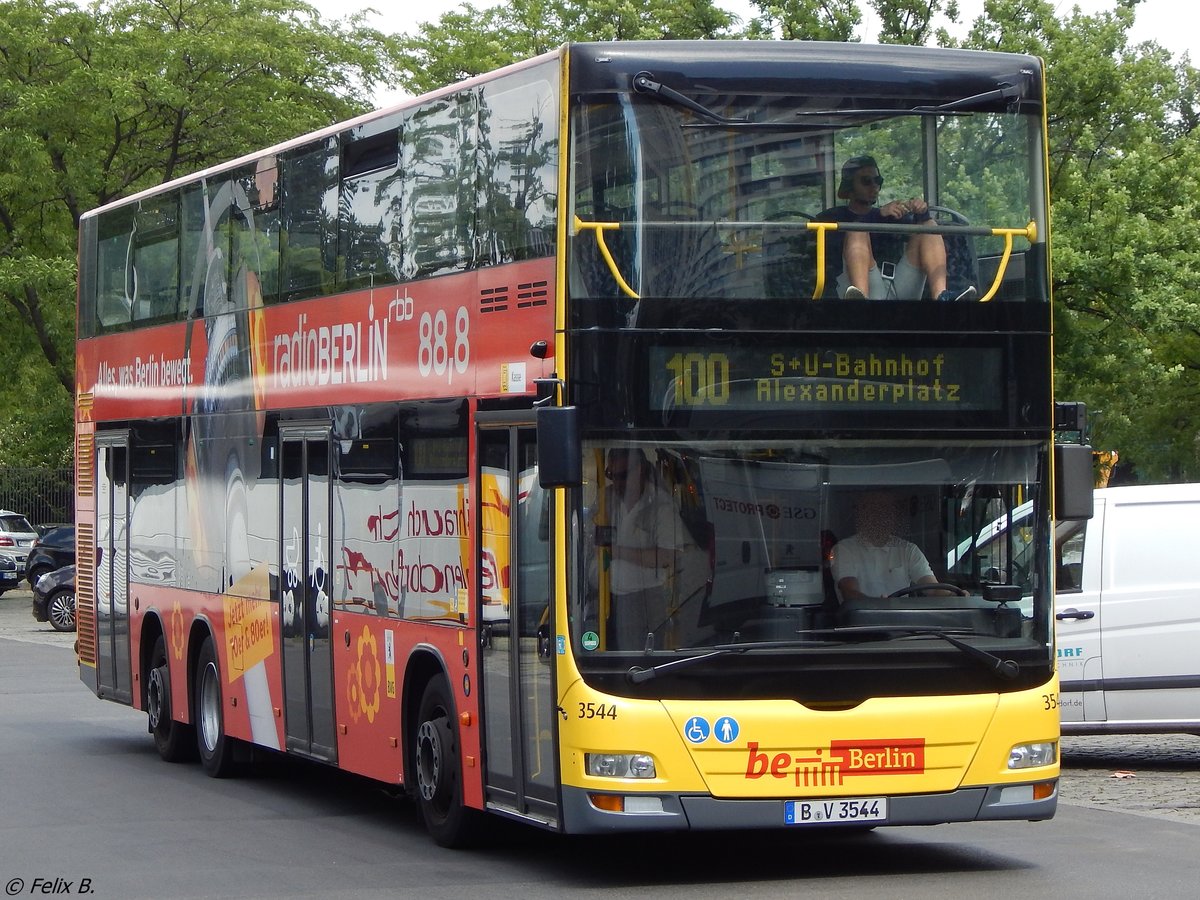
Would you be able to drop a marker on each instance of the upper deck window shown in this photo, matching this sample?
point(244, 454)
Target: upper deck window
point(720, 206)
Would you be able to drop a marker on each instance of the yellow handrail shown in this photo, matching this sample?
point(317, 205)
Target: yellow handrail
point(1029, 232)
point(600, 228)
point(820, 228)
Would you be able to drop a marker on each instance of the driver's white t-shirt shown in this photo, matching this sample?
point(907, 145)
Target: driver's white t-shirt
point(879, 570)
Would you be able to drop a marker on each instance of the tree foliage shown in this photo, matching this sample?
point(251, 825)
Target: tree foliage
point(1126, 217)
point(101, 102)
point(1123, 157)
point(474, 39)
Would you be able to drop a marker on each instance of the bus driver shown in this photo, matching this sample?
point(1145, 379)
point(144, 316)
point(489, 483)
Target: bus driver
point(874, 562)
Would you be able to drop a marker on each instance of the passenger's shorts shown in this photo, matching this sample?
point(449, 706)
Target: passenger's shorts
point(907, 283)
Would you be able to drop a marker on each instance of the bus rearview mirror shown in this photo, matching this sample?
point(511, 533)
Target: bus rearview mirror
point(1073, 481)
point(560, 462)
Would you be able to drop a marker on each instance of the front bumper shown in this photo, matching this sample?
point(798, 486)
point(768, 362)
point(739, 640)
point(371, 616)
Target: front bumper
point(705, 813)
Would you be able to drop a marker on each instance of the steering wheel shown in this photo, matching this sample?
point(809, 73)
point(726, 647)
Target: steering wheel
point(936, 586)
point(953, 214)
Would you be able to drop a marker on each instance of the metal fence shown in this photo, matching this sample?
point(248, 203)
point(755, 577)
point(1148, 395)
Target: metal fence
point(44, 496)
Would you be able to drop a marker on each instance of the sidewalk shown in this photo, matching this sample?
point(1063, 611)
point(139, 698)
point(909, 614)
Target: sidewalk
point(1155, 775)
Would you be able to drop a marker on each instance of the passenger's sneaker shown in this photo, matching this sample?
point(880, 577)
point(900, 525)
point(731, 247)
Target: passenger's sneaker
point(950, 297)
point(853, 293)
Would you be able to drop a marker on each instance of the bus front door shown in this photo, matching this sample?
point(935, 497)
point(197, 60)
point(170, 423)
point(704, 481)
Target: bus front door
point(514, 580)
point(305, 589)
point(113, 664)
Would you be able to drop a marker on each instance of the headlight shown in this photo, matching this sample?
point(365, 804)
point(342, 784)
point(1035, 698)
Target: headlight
point(619, 765)
point(1028, 756)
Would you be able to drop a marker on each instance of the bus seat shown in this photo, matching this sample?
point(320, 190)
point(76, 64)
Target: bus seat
point(790, 264)
point(962, 264)
point(962, 267)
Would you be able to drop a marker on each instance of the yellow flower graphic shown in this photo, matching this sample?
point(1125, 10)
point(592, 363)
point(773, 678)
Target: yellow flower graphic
point(177, 630)
point(362, 683)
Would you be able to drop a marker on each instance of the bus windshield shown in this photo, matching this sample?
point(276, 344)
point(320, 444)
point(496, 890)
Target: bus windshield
point(703, 193)
point(751, 545)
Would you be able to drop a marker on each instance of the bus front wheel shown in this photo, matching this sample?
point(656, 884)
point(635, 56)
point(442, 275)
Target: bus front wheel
point(216, 748)
point(439, 770)
point(174, 741)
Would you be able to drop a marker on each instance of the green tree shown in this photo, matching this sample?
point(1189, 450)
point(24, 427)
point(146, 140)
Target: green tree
point(1126, 217)
point(471, 40)
point(101, 102)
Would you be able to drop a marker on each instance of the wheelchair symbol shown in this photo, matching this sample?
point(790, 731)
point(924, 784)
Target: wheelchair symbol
point(697, 730)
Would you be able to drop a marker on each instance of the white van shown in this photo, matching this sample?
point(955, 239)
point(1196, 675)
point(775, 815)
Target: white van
point(1128, 611)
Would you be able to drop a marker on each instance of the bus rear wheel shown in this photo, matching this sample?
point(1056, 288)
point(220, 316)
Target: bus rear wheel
point(215, 747)
point(438, 768)
point(174, 741)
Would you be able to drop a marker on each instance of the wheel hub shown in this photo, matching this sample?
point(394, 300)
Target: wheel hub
point(156, 695)
point(429, 760)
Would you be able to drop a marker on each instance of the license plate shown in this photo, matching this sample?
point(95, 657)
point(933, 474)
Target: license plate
point(838, 809)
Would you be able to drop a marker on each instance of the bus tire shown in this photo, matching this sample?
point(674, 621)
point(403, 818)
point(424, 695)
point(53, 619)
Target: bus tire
point(438, 769)
point(175, 741)
point(214, 746)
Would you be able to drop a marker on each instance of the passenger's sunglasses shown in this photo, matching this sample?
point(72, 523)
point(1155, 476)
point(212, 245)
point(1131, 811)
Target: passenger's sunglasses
point(876, 180)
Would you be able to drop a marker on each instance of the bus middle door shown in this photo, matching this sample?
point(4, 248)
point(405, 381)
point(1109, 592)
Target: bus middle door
point(305, 571)
point(513, 573)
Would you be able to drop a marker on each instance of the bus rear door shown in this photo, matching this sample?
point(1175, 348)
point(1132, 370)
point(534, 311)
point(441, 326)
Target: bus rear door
point(113, 674)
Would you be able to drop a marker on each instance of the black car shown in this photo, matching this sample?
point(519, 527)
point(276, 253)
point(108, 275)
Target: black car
point(54, 549)
point(54, 598)
point(9, 574)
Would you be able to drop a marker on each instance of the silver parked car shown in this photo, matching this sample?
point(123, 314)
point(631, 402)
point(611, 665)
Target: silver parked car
point(16, 538)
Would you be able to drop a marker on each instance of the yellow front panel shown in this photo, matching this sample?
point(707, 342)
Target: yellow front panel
point(880, 747)
point(781, 749)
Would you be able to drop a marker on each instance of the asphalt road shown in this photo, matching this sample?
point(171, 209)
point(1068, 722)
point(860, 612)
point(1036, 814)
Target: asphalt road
point(84, 796)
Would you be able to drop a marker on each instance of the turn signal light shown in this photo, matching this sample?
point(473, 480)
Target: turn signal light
point(1043, 790)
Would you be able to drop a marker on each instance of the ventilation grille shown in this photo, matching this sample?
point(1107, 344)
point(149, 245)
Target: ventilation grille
point(85, 591)
point(528, 294)
point(85, 465)
point(494, 299)
point(532, 293)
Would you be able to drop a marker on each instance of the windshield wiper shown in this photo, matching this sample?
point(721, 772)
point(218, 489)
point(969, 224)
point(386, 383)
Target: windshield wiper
point(645, 83)
point(1003, 668)
point(1007, 92)
point(640, 675)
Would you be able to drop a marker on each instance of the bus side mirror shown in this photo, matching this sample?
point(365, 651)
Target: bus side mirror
point(1073, 481)
point(560, 460)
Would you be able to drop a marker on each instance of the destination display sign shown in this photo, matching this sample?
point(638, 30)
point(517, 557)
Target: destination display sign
point(845, 379)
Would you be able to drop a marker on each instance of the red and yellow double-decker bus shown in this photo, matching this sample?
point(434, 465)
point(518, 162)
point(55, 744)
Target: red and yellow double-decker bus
point(504, 445)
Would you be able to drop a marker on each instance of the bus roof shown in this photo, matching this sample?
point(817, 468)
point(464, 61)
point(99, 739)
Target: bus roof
point(754, 67)
point(868, 69)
